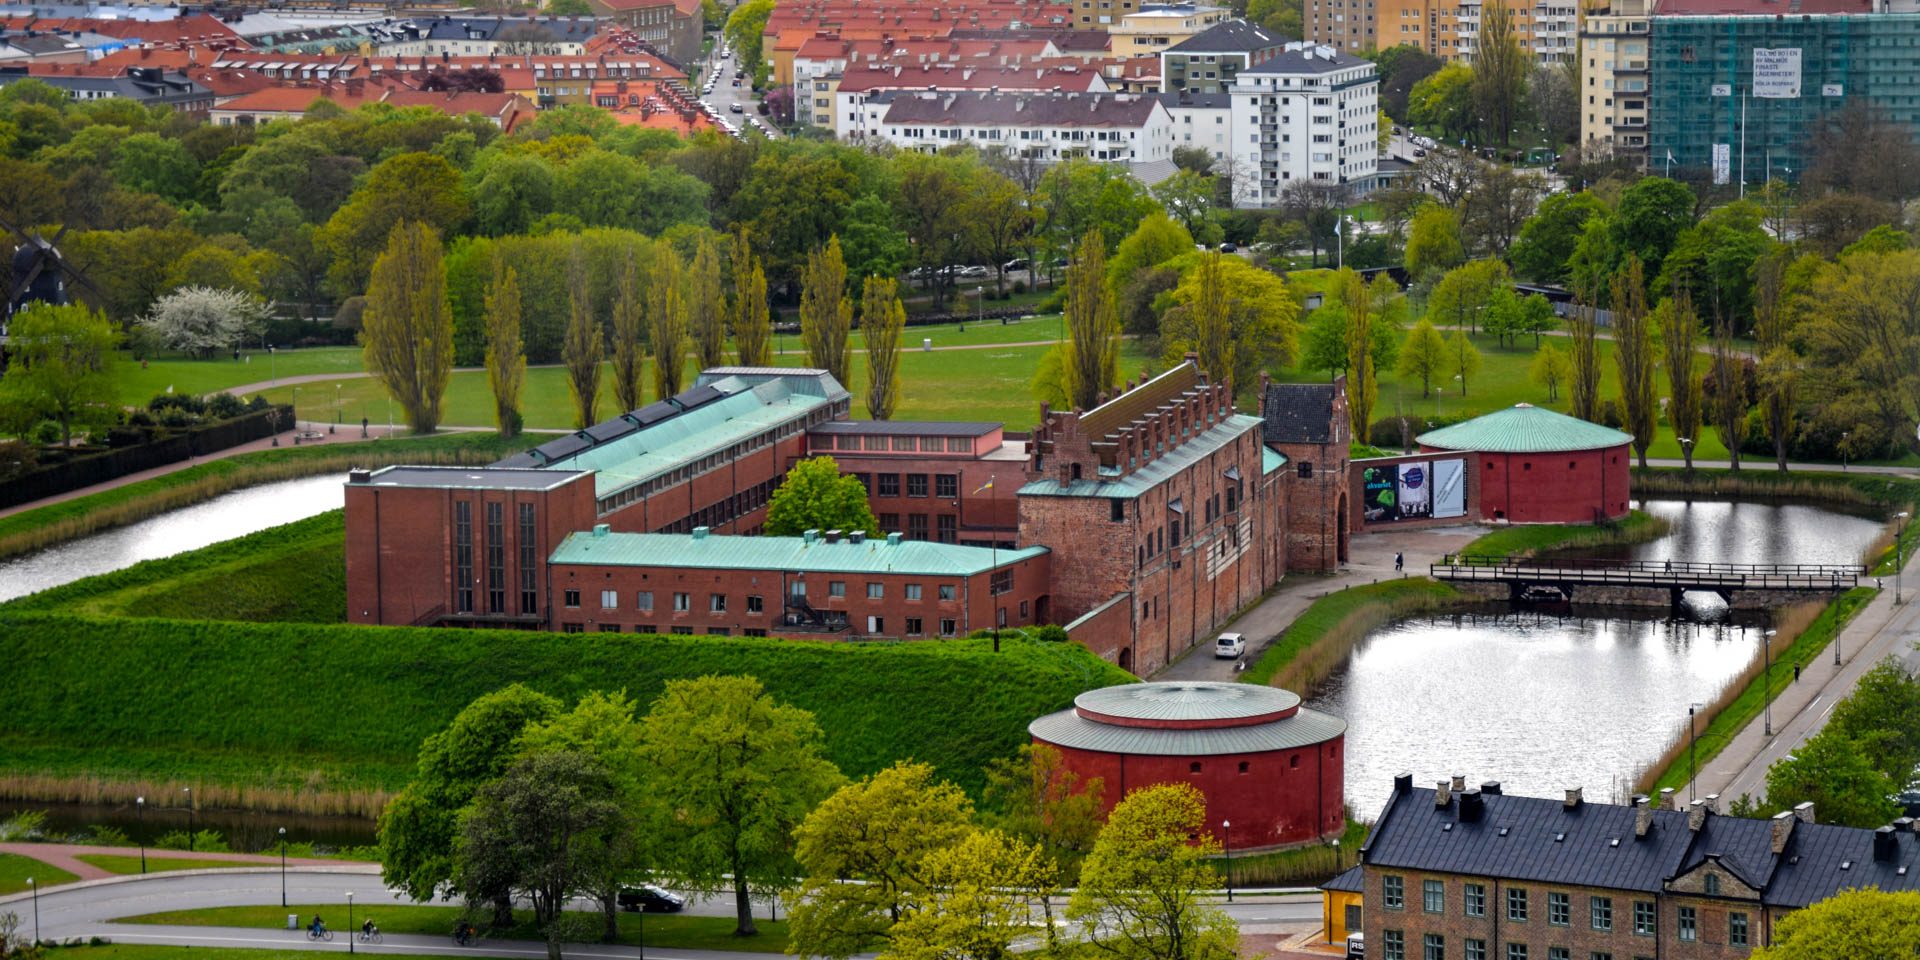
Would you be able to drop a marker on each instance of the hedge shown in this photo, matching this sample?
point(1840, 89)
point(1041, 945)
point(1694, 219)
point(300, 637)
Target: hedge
point(85, 471)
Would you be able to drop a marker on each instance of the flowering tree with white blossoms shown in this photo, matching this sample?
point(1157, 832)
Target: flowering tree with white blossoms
point(201, 320)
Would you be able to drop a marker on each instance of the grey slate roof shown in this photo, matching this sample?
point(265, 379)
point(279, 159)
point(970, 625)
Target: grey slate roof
point(1068, 729)
point(1742, 845)
point(471, 478)
point(1309, 59)
point(1017, 109)
point(1229, 36)
point(1822, 860)
point(1299, 412)
point(1348, 880)
point(1190, 100)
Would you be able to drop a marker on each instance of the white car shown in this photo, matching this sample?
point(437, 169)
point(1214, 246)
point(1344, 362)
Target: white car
point(1230, 646)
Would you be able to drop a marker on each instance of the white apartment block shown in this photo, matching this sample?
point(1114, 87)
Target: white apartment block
point(1134, 129)
point(1310, 113)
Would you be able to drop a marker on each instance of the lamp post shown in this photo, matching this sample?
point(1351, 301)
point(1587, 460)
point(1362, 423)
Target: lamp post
point(1227, 827)
point(1693, 747)
point(1336, 855)
point(1896, 557)
point(296, 412)
point(283, 866)
point(1766, 652)
point(36, 910)
point(336, 409)
point(273, 365)
point(349, 921)
point(190, 824)
point(1843, 449)
point(140, 827)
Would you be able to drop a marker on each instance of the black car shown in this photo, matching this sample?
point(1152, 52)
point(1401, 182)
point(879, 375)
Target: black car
point(1229, 248)
point(650, 899)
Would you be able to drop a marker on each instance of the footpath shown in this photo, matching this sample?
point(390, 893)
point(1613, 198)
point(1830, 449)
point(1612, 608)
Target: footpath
point(65, 856)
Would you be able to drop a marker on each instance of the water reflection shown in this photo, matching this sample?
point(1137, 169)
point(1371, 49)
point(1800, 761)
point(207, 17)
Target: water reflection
point(245, 831)
point(189, 528)
point(1720, 531)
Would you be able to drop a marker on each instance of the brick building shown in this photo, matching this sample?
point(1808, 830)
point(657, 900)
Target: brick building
point(1475, 874)
point(1538, 466)
point(948, 481)
point(1267, 766)
point(1307, 423)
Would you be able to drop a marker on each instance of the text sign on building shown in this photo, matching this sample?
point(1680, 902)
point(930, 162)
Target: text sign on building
point(1723, 89)
point(1833, 90)
point(1413, 491)
point(1722, 164)
point(1776, 73)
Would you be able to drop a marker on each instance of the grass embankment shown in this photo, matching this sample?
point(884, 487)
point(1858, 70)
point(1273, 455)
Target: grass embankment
point(1301, 866)
point(15, 869)
point(57, 522)
point(291, 573)
point(1322, 636)
point(329, 718)
point(666, 931)
point(1529, 539)
point(142, 951)
point(117, 863)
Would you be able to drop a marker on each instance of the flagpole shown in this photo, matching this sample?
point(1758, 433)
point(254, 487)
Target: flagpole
point(994, 598)
point(1743, 144)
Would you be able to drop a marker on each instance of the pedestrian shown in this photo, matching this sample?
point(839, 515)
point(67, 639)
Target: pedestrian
point(1399, 562)
point(1796, 673)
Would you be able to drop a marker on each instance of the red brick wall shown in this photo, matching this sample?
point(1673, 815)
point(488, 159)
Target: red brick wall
point(1283, 797)
point(1107, 631)
point(1357, 509)
point(990, 515)
point(1572, 487)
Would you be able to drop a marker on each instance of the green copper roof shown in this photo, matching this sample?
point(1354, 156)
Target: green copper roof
point(1524, 428)
point(1271, 460)
point(685, 439)
point(1158, 470)
point(793, 554)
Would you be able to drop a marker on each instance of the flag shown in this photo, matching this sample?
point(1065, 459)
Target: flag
point(986, 486)
point(1669, 156)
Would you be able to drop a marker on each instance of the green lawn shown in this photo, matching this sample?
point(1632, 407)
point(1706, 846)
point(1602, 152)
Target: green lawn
point(212, 375)
point(117, 863)
point(1525, 540)
point(15, 869)
point(662, 930)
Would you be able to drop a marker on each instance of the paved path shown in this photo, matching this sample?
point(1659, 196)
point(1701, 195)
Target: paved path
point(63, 855)
point(1768, 466)
point(1371, 560)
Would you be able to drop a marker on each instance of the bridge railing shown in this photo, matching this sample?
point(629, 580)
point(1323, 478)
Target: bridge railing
point(1653, 573)
point(1653, 566)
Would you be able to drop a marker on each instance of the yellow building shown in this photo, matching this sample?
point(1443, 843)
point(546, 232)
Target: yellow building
point(1613, 81)
point(1153, 28)
point(1340, 912)
point(1548, 29)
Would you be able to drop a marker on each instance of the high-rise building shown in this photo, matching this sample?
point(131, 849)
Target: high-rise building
point(1310, 114)
point(1345, 25)
point(1613, 80)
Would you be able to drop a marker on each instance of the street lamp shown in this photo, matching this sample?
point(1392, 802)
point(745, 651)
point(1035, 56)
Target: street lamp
point(1227, 826)
point(336, 408)
point(283, 866)
point(349, 921)
point(1693, 746)
point(1843, 451)
point(1336, 855)
point(1766, 651)
point(36, 910)
point(140, 821)
point(273, 365)
point(1896, 557)
point(190, 825)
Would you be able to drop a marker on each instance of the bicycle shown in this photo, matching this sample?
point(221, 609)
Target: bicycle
point(372, 936)
point(321, 933)
point(466, 937)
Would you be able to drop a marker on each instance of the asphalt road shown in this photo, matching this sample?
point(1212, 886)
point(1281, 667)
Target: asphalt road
point(725, 94)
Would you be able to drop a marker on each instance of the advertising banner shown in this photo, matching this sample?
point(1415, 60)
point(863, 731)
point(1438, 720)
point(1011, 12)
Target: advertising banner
point(1722, 164)
point(1380, 493)
point(1449, 488)
point(1416, 491)
point(1776, 73)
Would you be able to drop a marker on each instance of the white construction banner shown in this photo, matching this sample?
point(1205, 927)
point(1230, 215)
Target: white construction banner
point(1449, 488)
point(1416, 490)
point(1776, 73)
point(1722, 164)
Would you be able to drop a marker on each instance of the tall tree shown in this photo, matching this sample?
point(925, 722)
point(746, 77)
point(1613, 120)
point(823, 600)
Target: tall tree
point(1861, 922)
point(1093, 332)
point(999, 219)
point(1633, 356)
point(1729, 400)
point(740, 771)
point(408, 327)
point(1433, 241)
point(826, 315)
point(1779, 363)
point(61, 370)
point(506, 353)
point(1140, 893)
point(1499, 72)
point(667, 322)
point(1833, 772)
point(1363, 386)
point(1208, 311)
point(882, 318)
point(982, 891)
point(1550, 369)
point(1463, 359)
point(1583, 377)
point(706, 305)
point(583, 350)
point(815, 495)
point(629, 352)
point(1679, 340)
point(1034, 796)
point(1424, 355)
point(752, 328)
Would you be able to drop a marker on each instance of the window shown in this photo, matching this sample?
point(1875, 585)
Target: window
point(946, 591)
point(999, 582)
point(1476, 899)
point(836, 588)
point(1433, 896)
point(916, 484)
point(1643, 922)
point(1474, 948)
point(889, 484)
point(1736, 929)
point(1689, 925)
point(755, 604)
point(1517, 904)
point(946, 485)
point(1602, 910)
point(1393, 944)
point(917, 526)
point(683, 631)
point(904, 444)
point(1559, 909)
point(609, 599)
point(1305, 470)
point(1599, 955)
point(1712, 884)
point(959, 445)
point(609, 628)
point(1393, 892)
point(717, 603)
point(1516, 951)
point(571, 598)
point(682, 602)
point(876, 624)
point(947, 528)
point(643, 601)
point(876, 591)
point(529, 597)
point(496, 559)
point(946, 627)
point(463, 556)
point(1558, 953)
point(913, 591)
point(1434, 947)
point(1116, 510)
point(1233, 498)
point(573, 628)
point(890, 522)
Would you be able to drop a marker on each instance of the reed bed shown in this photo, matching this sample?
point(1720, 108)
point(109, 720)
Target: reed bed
point(1859, 489)
point(365, 803)
point(1295, 867)
point(1322, 636)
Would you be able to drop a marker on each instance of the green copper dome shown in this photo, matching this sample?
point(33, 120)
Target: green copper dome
point(1524, 428)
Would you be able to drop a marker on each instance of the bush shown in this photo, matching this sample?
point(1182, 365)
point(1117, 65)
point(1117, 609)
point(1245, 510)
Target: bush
point(46, 433)
point(184, 402)
point(176, 418)
point(1056, 302)
point(256, 403)
point(1611, 414)
point(16, 458)
point(143, 342)
point(1019, 286)
point(141, 418)
point(204, 841)
point(225, 405)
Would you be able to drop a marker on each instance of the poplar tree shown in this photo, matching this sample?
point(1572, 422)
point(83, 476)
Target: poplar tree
point(1424, 355)
point(882, 317)
point(1363, 387)
point(1680, 335)
point(752, 329)
point(506, 353)
point(1633, 356)
point(408, 326)
point(667, 317)
point(1583, 363)
point(582, 350)
point(1500, 70)
point(1779, 364)
point(1093, 332)
point(629, 355)
point(826, 315)
point(1729, 391)
point(1212, 326)
point(706, 306)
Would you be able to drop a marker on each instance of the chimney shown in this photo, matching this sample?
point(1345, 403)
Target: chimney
point(1886, 846)
point(1442, 794)
point(1697, 815)
point(1666, 798)
point(833, 536)
point(699, 533)
point(1403, 784)
point(600, 530)
point(810, 535)
point(1804, 812)
point(359, 476)
point(1471, 803)
point(1642, 818)
point(1782, 829)
point(1713, 803)
point(858, 536)
point(1491, 788)
point(1573, 799)
point(1906, 824)
point(1459, 781)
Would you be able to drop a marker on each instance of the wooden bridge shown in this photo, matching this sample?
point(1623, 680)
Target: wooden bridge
point(1644, 581)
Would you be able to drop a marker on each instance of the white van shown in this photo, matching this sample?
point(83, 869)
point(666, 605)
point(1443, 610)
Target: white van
point(1229, 646)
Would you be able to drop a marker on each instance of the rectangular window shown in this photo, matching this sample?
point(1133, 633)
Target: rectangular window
point(836, 588)
point(1602, 910)
point(916, 526)
point(463, 556)
point(1559, 909)
point(643, 601)
point(1736, 929)
point(999, 582)
point(913, 626)
point(916, 484)
point(571, 598)
point(946, 485)
point(1116, 510)
point(496, 558)
point(960, 444)
point(947, 528)
point(609, 599)
point(1434, 947)
point(1433, 896)
point(876, 591)
point(1476, 900)
point(1393, 944)
point(755, 604)
point(609, 628)
point(876, 624)
point(717, 603)
point(1517, 904)
point(529, 595)
point(1599, 955)
point(913, 591)
point(889, 484)
point(1516, 951)
point(682, 602)
point(1473, 948)
point(1689, 925)
point(889, 523)
point(946, 627)
point(573, 628)
point(1558, 953)
point(946, 592)
point(876, 443)
point(904, 444)
point(1393, 893)
point(1643, 918)
point(683, 631)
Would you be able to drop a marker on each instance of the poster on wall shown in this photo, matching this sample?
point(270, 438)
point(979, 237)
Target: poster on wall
point(1449, 488)
point(1416, 491)
point(1776, 73)
point(1722, 164)
point(1379, 495)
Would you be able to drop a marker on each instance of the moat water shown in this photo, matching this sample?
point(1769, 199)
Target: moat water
point(1550, 697)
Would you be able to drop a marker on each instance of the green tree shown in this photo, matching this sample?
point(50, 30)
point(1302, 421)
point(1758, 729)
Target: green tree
point(745, 25)
point(870, 242)
point(1444, 99)
point(1500, 70)
point(506, 354)
point(1323, 345)
point(816, 496)
point(667, 322)
point(1433, 241)
point(1863, 340)
point(1188, 197)
point(1034, 796)
point(420, 825)
point(1092, 357)
point(1774, 297)
point(407, 331)
point(739, 771)
point(1853, 923)
point(1713, 260)
point(981, 894)
point(882, 317)
point(826, 315)
point(409, 188)
point(752, 328)
point(1365, 306)
point(1882, 714)
point(1835, 774)
point(791, 203)
point(1728, 405)
point(61, 369)
point(1140, 892)
point(1633, 357)
point(706, 308)
point(1536, 317)
point(1424, 355)
point(629, 348)
point(1546, 240)
point(584, 349)
point(1679, 341)
point(569, 8)
point(1463, 359)
point(874, 832)
point(1462, 297)
point(1652, 214)
point(1550, 369)
point(1237, 317)
point(999, 220)
point(515, 192)
point(1155, 241)
point(932, 205)
point(151, 163)
point(1583, 361)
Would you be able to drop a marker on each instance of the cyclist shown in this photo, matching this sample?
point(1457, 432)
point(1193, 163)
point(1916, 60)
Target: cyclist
point(366, 929)
point(463, 933)
point(317, 925)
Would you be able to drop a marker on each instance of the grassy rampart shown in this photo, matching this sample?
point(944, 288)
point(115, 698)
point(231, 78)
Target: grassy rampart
point(1528, 539)
point(1326, 631)
point(327, 719)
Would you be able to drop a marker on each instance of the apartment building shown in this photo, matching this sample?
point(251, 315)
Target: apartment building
point(1431, 25)
point(1136, 130)
point(1341, 24)
point(1308, 113)
point(1154, 28)
point(1548, 31)
point(837, 102)
point(671, 26)
point(1201, 120)
point(1613, 80)
point(1208, 61)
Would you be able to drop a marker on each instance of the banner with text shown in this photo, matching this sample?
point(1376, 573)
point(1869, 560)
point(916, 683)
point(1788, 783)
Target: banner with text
point(1722, 164)
point(1415, 490)
point(1776, 73)
point(1449, 488)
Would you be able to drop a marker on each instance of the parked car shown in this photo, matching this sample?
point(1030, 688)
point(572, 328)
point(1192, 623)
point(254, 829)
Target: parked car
point(736, 108)
point(1419, 152)
point(651, 899)
point(1230, 646)
point(1018, 263)
point(1228, 247)
point(975, 272)
point(739, 74)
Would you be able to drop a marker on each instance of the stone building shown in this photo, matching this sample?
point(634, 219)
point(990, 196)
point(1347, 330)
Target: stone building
point(1307, 423)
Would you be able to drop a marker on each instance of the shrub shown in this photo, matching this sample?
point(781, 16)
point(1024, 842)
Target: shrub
point(1610, 413)
point(176, 418)
point(256, 403)
point(225, 405)
point(47, 433)
point(1056, 302)
point(141, 418)
point(1019, 286)
point(24, 825)
point(16, 458)
point(204, 841)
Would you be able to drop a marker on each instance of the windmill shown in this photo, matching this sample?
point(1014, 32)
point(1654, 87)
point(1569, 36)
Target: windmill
point(39, 271)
